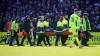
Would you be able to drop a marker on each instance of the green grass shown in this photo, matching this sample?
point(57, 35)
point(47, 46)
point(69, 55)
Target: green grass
point(2, 34)
point(5, 50)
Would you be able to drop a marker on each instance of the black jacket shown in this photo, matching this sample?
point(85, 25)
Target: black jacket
point(26, 25)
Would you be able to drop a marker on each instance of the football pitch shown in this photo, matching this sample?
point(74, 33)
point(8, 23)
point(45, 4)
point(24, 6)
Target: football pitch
point(92, 50)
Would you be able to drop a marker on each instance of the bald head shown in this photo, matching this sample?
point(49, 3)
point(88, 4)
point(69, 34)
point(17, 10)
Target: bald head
point(61, 18)
point(42, 18)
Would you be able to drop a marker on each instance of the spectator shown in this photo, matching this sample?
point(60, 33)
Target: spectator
point(54, 7)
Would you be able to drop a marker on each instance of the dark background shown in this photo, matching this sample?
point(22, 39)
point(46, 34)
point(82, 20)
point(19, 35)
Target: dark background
point(49, 8)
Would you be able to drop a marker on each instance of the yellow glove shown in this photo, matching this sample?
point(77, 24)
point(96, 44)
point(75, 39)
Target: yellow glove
point(40, 31)
point(64, 30)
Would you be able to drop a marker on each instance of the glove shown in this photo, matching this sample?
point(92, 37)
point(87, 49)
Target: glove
point(40, 31)
point(64, 30)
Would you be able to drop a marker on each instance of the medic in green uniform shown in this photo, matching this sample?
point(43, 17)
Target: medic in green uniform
point(47, 27)
point(86, 27)
point(14, 31)
point(41, 31)
point(65, 28)
point(59, 31)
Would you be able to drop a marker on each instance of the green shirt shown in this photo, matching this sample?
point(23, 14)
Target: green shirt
point(74, 20)
point(40, 26)
point(87, 24)
point(14, 26)
point(65, 23)
point(59, 27)
point(46, 24)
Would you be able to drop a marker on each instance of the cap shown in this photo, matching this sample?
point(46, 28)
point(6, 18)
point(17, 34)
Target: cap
point(85, 14)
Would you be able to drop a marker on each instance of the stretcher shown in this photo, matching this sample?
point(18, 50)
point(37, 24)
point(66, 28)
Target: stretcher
point(54, 33)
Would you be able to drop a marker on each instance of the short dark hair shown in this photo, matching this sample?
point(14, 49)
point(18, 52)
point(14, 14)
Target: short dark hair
point(75, 9)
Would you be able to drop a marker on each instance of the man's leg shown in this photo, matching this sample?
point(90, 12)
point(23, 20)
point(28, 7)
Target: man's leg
point(44, 40)
point(23, 40)
point(75, 37)
point(16, 36)
point(11, 40)
point(78, 38)
point(39, 40)
point(34, 34)
point(72, 41)
point(83, 41)
point(34, 42)
point(9, 37)
point(31, 34)
point(87, 38)
point(66, 38)
point(63, 39)
point(56, 42)
point(29, 40)
point(47, 38)
point(75, 43)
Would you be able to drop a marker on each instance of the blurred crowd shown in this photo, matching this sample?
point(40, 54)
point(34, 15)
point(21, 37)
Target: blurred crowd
point(51, 9)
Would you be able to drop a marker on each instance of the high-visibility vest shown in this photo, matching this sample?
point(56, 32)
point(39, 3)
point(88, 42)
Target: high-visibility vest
point(46, 23)
point(59, 26)
point(17, 27)
point(65, 23)
point(40, 24)
point(14, 26)
point(84, 24)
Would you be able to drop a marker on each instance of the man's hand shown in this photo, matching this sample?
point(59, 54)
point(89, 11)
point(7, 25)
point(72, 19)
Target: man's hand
point(64, 30)
point(40, 31)
point(81, 31)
